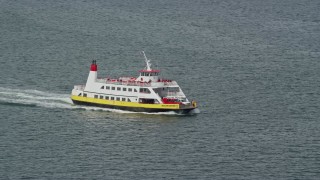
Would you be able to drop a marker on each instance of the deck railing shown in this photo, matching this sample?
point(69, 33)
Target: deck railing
point(188, 105)
point(137, 83)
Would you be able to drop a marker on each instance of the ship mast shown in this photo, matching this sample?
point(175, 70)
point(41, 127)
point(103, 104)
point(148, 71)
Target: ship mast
point(148, 64)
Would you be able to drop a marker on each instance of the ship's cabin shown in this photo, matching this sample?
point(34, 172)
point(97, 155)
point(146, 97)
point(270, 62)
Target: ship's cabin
point(148, 75)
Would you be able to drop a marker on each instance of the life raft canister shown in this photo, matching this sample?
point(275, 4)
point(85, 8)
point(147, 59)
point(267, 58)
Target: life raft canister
point(194, 104)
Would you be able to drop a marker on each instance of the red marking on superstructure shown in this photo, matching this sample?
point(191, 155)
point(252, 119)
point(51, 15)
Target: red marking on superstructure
point(170, 101)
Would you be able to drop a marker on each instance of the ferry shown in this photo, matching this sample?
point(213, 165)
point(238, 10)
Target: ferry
point(146, 93)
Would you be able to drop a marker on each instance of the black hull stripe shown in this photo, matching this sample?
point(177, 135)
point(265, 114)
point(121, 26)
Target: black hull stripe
point(134, 109)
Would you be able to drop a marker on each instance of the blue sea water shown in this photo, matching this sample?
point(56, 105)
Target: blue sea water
point(252, 66)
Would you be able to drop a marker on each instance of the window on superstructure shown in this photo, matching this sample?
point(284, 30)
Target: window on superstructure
point(107, 97)
point(112, 98)
point(102, 87)
point(101, 97)
point(107, 87)
point(129, 100)
point(113, 88)
point(124, 89)
point(118, 98)
point(123, 99)
point(96, 96)
point(130, 89)
point(84, 95)
point(118, 88)
point(135, 90)
point(144, 90)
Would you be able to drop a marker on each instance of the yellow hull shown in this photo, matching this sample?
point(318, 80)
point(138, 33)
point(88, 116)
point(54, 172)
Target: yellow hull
point(131, 106)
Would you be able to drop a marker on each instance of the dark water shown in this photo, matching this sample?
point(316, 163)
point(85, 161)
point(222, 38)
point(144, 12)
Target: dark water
point(253, 67)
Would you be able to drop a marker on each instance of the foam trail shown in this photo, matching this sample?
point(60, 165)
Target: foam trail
point(35, 98)
point(52, 100)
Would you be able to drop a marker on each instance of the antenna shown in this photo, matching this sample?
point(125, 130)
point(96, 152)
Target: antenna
point(148, 64)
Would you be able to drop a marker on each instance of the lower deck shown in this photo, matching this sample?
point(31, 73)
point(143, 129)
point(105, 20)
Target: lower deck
point(131, 106)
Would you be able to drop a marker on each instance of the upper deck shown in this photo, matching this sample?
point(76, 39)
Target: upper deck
point(132, 82)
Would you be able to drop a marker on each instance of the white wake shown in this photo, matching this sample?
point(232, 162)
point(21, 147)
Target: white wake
point(35, 98)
